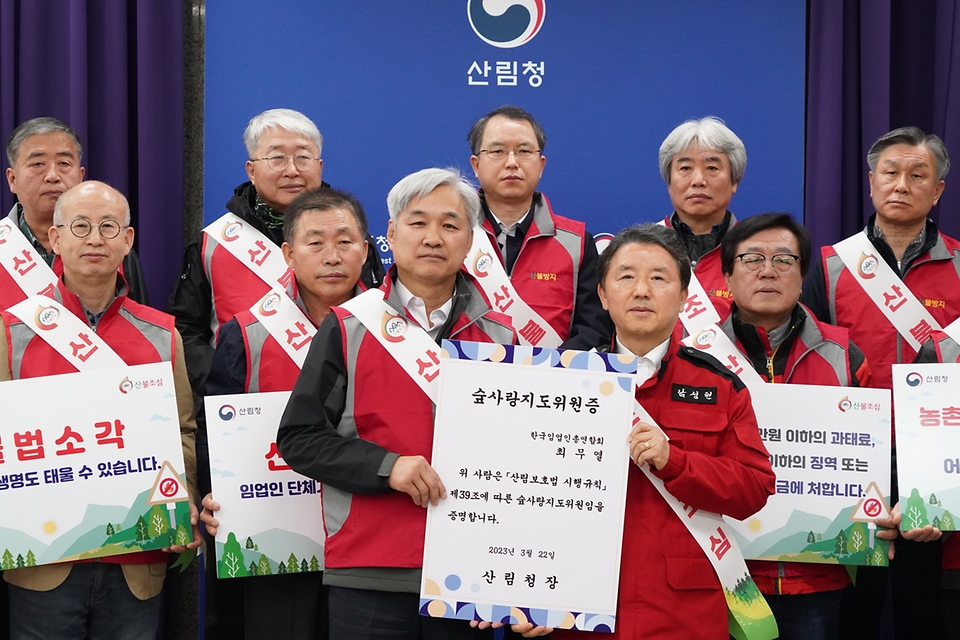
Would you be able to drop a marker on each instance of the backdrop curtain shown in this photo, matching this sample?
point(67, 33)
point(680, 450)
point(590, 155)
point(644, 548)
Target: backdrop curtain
point(112, 70)
point(873, 66)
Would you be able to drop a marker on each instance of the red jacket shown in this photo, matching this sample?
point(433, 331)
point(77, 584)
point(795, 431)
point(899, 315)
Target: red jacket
point(138, 334)
point(933, 278)
point(668, 588)
point(820, 354)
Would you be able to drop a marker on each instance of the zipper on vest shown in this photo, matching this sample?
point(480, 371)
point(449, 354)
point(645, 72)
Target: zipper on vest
point(770, 363)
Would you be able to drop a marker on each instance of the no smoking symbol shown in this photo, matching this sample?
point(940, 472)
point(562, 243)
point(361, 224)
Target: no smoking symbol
point(871, 507)
point(169, 487)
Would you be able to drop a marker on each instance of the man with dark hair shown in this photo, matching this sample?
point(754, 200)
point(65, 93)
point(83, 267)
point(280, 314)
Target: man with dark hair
point(547, 260)
point(702, 162)
point(891, 285)
point(325, 246)
point(764, 259)
point(44, 156)
point(707, 450)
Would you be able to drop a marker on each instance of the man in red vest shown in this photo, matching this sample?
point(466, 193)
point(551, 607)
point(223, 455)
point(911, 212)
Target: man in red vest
point(115, 596)
point(702, 162)
point(325, 245)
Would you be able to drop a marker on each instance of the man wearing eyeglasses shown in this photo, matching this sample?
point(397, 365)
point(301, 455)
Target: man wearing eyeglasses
point(44, 156)
point(702, 162)
point(116, 596)
point(891, 285)
point(550, 260)
point(764, 259)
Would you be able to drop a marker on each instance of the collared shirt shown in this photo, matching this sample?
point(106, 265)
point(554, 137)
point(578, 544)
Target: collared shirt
point(508, 230)
point(47, 256)
point(510, 239)
point(418, 310)
point(649, 364)
point(913, 250)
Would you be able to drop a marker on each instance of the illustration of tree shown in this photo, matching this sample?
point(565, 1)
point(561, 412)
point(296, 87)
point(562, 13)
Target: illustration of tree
point(915, 515)
point(110, 530)
point(20, 563)
point(159, 524)
point(281, 569)
point(119, 527)
point(256, 547)
point(7, 561)
point(933, 498)
point(939, 503)
point(314, 564)
point(304, 567)
point(142, 534)
point(946, 521)
point(252, 569)
point(31, 559)
point(231, 563)
point(181, 538)
point(811, 538)
point(878, 557)
point(263, 567)
point(249, 543)
point(935, 522)
point(857, 541)
point(819, 537)
point(293, 566)
point(840, 548)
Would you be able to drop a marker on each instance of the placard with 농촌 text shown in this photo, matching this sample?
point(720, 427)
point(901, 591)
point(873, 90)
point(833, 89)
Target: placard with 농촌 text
point(927, 411)
point(535, 462)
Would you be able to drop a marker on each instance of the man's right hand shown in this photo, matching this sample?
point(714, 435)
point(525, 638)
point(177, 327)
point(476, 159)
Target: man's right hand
point(414, 476)
point(206, 516)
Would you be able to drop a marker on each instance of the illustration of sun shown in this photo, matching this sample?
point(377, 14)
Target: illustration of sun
point(755, 525)
point(49, 527)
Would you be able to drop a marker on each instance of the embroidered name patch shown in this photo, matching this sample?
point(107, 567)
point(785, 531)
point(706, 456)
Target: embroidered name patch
point(696, 395)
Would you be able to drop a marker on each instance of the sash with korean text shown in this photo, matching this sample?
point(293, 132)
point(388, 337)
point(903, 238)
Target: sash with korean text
point(749, 616)
point(406, 342)
point(482, 263)
point(67, 334)
point(698, 311)
point(254, 250)
point(20, 260)
point(286, 322)
point(886, 290)
point(714, 341)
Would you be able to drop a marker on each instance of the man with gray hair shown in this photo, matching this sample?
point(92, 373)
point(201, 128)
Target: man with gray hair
point(877, 284)
point(702, 162)
point(44, 156)
point(371, 448)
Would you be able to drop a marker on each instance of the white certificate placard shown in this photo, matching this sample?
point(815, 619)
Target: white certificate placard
point(270, 516)
point(534, 460)
point(830, 450)
point(927, 404)
point(91, 465)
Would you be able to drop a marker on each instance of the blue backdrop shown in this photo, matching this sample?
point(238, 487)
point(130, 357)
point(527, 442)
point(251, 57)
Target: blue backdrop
point(388, 84)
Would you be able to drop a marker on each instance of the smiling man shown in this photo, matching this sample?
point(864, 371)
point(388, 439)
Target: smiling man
point(764, 259)
point(917, 269)
point(45, 156)
point(702, 162)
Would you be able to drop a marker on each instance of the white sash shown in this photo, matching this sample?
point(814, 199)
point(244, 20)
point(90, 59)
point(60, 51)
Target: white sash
point(254, 250)
point(21, 261)
point(711, 532)
point(67, 334)
point(406, 342)
point(482, 263)
point(885, 289)
point(714, 341)
point(698, 311)
point(288, 325)
point(953, 330)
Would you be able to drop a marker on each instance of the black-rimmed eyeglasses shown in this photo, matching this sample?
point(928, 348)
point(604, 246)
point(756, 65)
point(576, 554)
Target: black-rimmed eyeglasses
point(109, 229)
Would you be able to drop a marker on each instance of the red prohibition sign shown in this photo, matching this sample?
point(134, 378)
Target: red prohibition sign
point(871, 507)
point(169, 487)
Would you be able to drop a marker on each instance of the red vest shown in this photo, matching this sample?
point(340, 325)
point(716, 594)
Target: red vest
point(138, 334)
point(547, 269)
point(384, 405)
point(269, 368)
point(710, 274)
point(933, 278)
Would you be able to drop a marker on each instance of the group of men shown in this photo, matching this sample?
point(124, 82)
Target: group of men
point(288, 231)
